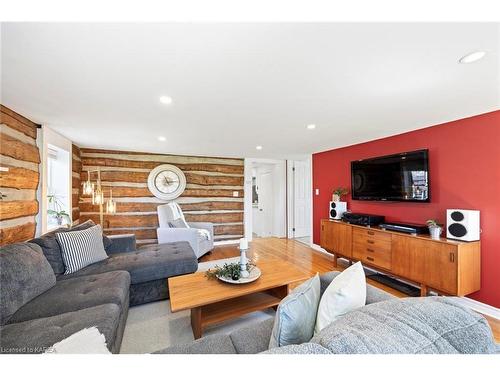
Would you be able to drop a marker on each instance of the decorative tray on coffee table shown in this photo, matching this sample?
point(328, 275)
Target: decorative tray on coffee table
point(254, 275)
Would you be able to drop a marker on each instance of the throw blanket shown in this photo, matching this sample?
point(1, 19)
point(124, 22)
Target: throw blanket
point(409, 326)
point(86, 341)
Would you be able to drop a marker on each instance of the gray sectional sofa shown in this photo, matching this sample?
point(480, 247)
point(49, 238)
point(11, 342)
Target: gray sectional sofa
point(40, 306)
point(385, 325)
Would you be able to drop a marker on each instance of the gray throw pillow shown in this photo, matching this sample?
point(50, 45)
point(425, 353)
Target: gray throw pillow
point(25, 274)
point(178, 223)
point(81, 248)
point(296, 315)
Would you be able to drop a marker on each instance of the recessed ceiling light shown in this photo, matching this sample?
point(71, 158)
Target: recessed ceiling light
point(166, 99)
point(311, 126)
point(472, 57)
point(259, 147)
point(162, 138)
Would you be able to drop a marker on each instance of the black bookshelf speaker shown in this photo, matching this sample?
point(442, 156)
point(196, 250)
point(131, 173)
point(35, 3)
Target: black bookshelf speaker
point(337, 209)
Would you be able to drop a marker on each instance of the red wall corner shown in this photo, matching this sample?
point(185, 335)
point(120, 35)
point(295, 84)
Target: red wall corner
point(464, 158)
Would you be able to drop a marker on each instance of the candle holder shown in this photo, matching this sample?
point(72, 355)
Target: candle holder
point(243, 258)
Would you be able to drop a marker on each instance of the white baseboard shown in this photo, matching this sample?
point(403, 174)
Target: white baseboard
point(320, 249)
point(480, 307)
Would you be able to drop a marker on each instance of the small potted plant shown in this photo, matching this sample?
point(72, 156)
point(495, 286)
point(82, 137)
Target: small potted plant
point(56, 211)
point(338, 193)
point(435, 229)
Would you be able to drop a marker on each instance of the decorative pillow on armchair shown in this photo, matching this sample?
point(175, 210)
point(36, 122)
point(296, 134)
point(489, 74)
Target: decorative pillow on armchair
point(178, 223)
point(81, 248)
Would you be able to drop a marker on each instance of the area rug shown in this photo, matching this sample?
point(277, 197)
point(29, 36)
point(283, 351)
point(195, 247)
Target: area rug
point(153, 326)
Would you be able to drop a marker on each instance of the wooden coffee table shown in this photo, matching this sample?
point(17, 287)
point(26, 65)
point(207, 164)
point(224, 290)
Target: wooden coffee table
point(213, 301)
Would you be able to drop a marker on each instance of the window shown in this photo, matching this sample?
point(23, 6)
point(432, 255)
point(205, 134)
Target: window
point(58, 197)
point(55, 193)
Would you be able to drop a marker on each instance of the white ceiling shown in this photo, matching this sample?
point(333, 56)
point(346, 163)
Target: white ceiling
point(235, 86)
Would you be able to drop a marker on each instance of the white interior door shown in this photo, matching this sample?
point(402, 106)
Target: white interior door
point(302, 198)
point(265, 190)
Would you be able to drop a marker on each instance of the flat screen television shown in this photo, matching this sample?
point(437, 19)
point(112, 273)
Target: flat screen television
point(399, 177)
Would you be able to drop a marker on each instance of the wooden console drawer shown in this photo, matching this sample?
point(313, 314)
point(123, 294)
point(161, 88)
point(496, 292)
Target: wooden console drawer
point(372, 242)
point(380, 257)
point(371, 234)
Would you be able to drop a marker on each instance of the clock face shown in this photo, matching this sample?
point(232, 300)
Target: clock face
point(167, 182)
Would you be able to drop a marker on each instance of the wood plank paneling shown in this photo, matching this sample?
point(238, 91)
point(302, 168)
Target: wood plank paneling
point(212, 206)
point(151, 207)
point(123, 221)
point(191, 178)
point(13, 209)
point(151, 220)
point(20, 154)
point(229, 229)
point(17, 122)
point(122, 207)
point(140, 234)
point(18, 233)
point(219, 168)
point(228, 217)
point(211, 193)
point(212, 183)
point(14, 148)
point(19, 178)
point(76, 166)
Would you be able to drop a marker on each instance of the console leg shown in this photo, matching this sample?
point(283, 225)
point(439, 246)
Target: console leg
point(423, 290)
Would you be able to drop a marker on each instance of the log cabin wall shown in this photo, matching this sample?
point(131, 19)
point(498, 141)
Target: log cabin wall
point(76, 168)
point(211, 183)
point(19, 153)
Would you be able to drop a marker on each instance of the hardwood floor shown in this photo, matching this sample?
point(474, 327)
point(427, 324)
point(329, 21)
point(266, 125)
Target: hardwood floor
point(303, 256)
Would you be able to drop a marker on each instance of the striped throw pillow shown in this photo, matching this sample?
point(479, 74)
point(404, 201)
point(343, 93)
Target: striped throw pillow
point(81, 248)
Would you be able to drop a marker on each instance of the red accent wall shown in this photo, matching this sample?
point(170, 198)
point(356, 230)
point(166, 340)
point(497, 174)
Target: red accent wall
point(464, 158)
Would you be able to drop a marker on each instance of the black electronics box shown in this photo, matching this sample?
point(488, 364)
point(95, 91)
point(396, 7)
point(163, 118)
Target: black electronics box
point(362, 219)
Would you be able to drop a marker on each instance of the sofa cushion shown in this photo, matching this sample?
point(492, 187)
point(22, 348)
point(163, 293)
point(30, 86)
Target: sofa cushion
point(151, 262)
point(253, 338)
point(36, 336)
point(305, 348)
point(77, 294)
point(409, 326)
point(52, 250)
point(25, 274)
point(81, 248)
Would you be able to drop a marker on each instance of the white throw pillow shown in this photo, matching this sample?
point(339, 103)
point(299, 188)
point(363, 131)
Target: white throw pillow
point(345, 293)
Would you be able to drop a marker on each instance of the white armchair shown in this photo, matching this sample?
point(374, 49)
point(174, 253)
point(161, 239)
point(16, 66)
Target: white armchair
point(173, 228)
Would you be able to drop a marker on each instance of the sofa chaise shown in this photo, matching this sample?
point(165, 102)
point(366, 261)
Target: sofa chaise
point(40, 305)
point(386, 325)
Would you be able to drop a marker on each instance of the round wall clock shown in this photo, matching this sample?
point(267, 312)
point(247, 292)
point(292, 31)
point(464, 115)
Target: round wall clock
point(166, 182)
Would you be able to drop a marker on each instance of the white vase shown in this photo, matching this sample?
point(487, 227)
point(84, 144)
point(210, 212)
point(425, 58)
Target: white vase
point(336, 198)
point(435, 232)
